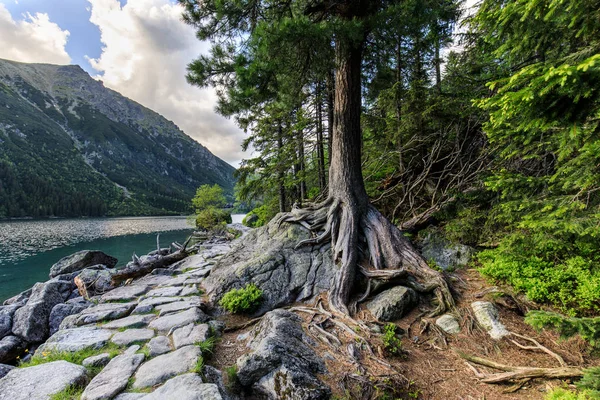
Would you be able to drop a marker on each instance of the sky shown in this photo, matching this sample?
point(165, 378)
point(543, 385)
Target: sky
point(140, 48)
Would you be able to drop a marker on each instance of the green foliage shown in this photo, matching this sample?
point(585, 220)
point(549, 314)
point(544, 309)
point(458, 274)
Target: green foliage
point(587, 328)
point(231, 373)
point(242, 300)
point(69, 393)
point(391, 343)
point(199, 367)
point(260, 216)
point(207, 346)
point(211, 219)
point(564, 394)
point(73, 357)
point(209, 196)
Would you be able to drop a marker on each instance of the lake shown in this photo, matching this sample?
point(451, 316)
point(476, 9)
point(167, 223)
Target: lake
point(28, 248)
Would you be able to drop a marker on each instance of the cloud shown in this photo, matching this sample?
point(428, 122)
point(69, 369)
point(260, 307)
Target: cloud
point(146, 49)
point(32, 39)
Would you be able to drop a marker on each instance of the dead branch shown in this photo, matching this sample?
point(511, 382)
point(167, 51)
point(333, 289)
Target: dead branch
point(537, 346)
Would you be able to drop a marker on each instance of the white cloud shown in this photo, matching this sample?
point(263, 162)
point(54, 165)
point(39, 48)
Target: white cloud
point(32, 39)
point(146, 48)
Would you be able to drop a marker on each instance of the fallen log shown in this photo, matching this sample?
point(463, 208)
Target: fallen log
point(138, 268)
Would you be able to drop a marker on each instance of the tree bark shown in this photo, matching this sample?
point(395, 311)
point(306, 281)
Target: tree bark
point(280, 172)
point(320, 148)
point(330, 96)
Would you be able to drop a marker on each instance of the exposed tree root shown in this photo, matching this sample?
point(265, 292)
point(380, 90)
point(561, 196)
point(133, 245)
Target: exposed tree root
point(363, 240)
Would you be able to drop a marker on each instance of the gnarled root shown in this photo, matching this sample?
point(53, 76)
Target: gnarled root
point(361, 236)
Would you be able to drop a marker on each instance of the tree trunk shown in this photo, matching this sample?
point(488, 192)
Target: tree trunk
point(438, 67)
point(300, 167)
point(399, 104)
point(280, 172)
point(330, 95)
point(320, 148)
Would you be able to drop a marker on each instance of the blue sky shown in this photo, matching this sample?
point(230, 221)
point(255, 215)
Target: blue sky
point(140, 48)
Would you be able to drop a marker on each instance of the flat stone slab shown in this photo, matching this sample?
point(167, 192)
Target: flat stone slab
point(42, 381)
point(168, 322)
point(96, 361)
point(151, 280)
point(101, 312)
point(130, 336)
point(113, 378)
point(161, 368)
point(169, 291)
point(149, 303)
point(185, 387)
point(76, 339)
point(133, 321)
point(130, 396)
point(190, 334)
point(190, 290)
point(159, 345)
point(179, 305)
point(125, 293)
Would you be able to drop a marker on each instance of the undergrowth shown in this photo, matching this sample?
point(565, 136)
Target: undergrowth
point(242, 300)
point(69, 393)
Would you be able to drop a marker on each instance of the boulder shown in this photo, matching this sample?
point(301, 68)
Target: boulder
point(393, 304)
point(190, 334)
point(113, 378)
point(131, 336)
point(76, 339)
point(168, 322)
point(487, 316)
point(20, 299)
point(267, 257)
point(42, 381)
point(80, 260)
point(5, 369)
point(444, 253)
point(11, 347)
point(185, 387)
point(96, 361)
point(159, 345)
point(6, 317)
point(213, 375)
point(32, 321)
point(61, 311)
point(282, 353)
point(161, 368)
point(93, 281)
point(448, 323)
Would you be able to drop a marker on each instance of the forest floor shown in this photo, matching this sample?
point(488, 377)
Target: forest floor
point(432, 366)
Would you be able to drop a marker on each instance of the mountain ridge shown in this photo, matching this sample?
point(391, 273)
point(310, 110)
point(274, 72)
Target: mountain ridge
point(136, 161)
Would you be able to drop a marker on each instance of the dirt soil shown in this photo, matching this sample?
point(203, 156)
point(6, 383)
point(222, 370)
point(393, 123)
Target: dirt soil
point(431, 367)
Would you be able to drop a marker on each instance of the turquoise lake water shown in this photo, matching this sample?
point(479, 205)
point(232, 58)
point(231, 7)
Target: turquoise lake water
point(28, 248)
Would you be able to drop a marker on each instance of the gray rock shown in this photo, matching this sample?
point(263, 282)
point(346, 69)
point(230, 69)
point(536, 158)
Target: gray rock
point(168, 322)
point(133, 321)
point(448, 323)
point(96, 361)
point(487, 316)
point(217, 327)
point(151, 280)
point(76, 339)
point(98, 313)
point(20, 299)
point(169, 291)
point(267, 257)
point(213, 375)
point(10, 348)
point(32, 321)
point(393, 304)
point(159, 345)
point(190, 290)
point(130, 336)
point(130, 396)
point(281, 351)
point(6, 316)
point(180, 305)
point(148, 304)
point(444, 253)
point(61, 311)
point(125, 293)
point(113, 378)
point(42, 381)
point(95, 280)
point(5, 369)
point(163, 367)
point(190, 334)
point(80, 260)
point(185, 387)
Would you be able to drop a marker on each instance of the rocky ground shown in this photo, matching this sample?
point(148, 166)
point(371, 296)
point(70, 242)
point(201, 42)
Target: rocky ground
point(161, 336)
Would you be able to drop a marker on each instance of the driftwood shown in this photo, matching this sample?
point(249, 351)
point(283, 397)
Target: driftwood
point(138, 268)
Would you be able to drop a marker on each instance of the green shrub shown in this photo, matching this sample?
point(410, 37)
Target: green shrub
point(391, 343)
point(587, 328)
point(260, 216)
point(211, 219)
point(242, 300)
point(563, 394)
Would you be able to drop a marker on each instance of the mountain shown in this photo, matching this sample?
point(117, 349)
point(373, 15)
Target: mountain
point(71, 147)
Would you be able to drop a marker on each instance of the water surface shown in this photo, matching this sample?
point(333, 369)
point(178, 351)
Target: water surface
point(29, 248)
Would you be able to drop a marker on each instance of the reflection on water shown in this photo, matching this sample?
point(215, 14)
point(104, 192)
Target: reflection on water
point(22, 239)
point(29, 248)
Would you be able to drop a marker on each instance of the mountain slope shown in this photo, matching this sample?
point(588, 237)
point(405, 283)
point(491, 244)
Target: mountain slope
point(70, 147)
